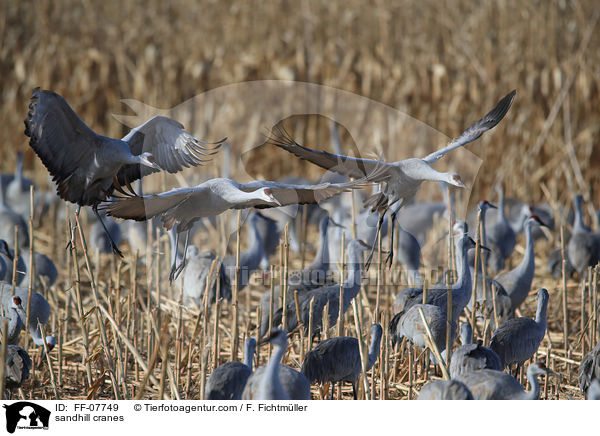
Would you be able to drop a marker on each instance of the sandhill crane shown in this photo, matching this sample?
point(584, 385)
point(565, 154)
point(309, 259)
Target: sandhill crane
point(326, 294)
point(227, 382)
point(9, 219)
point(276, 381)
point(44, 270)
point(583, 248)
point(461, 290)
point(312, 277)
point(17, 191)
point(489, 384)
point(589, 369)
point(471, 357)
point(7, 255)
point(39, 311)
point(250, 259)
point(88, 167)
point(338, 360)
point(409, 324)
point(445, 390)
point(501, 237)
point(402, 179)
point(18, 365)
point(184, 206)
point(409, 254)
point(517, 282)
point(593, 392)
point(270, 236)
point(518, 339)
point(15, 324)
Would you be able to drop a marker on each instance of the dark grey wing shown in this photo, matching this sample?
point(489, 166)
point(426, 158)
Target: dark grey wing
point(171, 146)
point(58, 136)
point(346, 165)
point(490, 120)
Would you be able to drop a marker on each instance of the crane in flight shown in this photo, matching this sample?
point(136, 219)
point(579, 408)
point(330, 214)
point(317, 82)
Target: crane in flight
point(403, 178)
point(87, 168)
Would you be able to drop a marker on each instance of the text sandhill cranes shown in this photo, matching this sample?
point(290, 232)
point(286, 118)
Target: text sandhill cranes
point(88, 167)
point(403, 178)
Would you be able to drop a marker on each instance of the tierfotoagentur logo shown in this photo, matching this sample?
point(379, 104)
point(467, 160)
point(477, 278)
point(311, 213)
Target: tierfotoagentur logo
point(26, 415)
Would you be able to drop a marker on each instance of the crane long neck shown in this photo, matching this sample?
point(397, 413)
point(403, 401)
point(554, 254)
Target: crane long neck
point(322, 256)
point(19, 170)
point(502, 216)
point(374, 348)
point(249, 353)
point(270, 380)
point(353, 281)
point(529, 257)
point(541, 313)
point(579, 224)
point(255, 251)
point(534, 394)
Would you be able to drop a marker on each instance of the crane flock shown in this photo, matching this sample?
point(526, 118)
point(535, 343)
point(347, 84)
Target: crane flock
point(89, 169)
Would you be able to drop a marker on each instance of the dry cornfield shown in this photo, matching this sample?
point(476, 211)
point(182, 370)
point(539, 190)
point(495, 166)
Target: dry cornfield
point(440, 63)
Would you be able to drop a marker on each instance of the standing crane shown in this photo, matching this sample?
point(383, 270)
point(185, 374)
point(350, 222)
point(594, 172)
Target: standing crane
point(472, 357)
point(338, 360)
point(489, 384)
point(517, 282)
point(227, 382)
point(445, 390)
point(518, 339)
point(276, 381)
point(583, 249)
point(589, 368)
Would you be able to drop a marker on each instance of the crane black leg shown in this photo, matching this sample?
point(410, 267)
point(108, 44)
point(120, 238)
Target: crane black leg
point(354, 390)
point(390, 257)
point(332, 389)
point(114, 247)
point(379, 225)
point(176, 270)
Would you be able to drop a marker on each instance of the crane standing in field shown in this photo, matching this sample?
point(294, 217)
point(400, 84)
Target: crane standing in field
point(489, 384)
point(276, 381)
point(227, 382)
point(471, 357)
point(403, 178)
point(88, 167)
point(338, 359)
point(518, 339)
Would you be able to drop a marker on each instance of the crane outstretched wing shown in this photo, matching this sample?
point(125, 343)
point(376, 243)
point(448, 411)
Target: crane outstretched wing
point(302, 194)
point(58, 136)
point(490, 120)
point(131, 206)
point(171, 146)
point(345, 165)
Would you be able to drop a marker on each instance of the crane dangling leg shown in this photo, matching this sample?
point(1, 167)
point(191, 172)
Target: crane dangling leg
point(379, 226)
point(177, 269)
point(114, 247)
point(390, 256)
